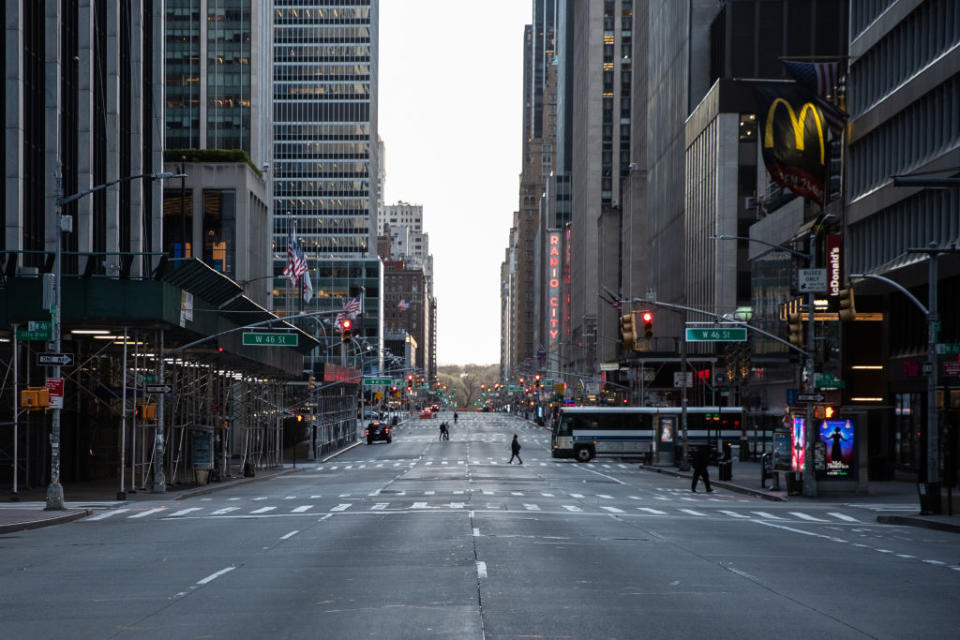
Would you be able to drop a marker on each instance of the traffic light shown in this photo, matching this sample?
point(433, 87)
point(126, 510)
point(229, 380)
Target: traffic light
point(795, 324)
point(536, 380)
point(346, 327)
point(647, 317)
point(848, 310)
point(627, 332)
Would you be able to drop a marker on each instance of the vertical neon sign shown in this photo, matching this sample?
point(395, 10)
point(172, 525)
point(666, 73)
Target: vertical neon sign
point(553, 291)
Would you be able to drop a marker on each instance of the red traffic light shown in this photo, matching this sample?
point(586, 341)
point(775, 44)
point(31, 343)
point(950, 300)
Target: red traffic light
point(345, 324)
point(647, 316)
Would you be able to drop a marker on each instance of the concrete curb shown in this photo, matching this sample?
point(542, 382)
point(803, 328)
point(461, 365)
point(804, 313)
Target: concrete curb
point(736, 488)
point(924, 523)
point(344, 450)
point(46, 522)
point(221, 486)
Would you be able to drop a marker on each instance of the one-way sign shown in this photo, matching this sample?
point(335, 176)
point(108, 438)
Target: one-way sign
point(62, 359)
point(158, 388)
point(810, 397)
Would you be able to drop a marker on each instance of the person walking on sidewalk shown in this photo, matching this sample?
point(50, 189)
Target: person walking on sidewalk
point(701, 458)
point(515, 450)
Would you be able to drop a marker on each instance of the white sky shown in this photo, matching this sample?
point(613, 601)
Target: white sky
point(451, 74)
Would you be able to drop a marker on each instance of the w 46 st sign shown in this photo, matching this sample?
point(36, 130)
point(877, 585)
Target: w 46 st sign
point(717, 334)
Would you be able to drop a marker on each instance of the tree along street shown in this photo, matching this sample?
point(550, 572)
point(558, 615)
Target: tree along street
point(422, 538)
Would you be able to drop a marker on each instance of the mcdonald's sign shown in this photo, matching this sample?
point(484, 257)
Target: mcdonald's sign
point(794, 144)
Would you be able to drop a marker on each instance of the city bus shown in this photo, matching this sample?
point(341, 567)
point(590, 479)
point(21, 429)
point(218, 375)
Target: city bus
point(584, 432)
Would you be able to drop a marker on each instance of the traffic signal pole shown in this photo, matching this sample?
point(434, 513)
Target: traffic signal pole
point(809, 472)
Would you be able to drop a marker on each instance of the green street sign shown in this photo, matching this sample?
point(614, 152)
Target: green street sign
point(380, 382)
point(514, 388)
point(269, 339)
point(948, 348)
point(717, 334)
point(37, 330)
point(148, 377)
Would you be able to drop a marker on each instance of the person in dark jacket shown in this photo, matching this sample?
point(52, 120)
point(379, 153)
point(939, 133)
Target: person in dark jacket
point(515, 450)
point(701, 458)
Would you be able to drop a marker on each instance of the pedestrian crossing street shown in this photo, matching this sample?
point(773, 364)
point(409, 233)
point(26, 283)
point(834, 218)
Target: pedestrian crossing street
point(490, 460)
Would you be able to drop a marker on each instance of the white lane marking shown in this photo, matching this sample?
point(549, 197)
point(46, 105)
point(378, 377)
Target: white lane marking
point(335, 467)
point(184, 512)
point(289, 497)
point(692, 512)
point(655, 512)
point(603, 475)
point(226, 510)
point(842, 516)
point(258, 498)
point(444, 462)
point(302, 508)
point(883, 550)
point(349, 466)
point(934, 562)
point(456, 505)
point(232, 499)
point(261, 510)
point(458, 492)
point(146, 513)
point(374, 493)
point(476, 532)
point(531, 507)
point(344, 495)
point(612, 509)
point(289, 535)
point(905, 555)
point(734, 514)
point(214, 576)
point(546, 495)
point(380, 465)
point(570, 507)
point(769, 516)
point(106, 514)
point(576, 495)
point(343, 506)
point(315, 497)
point(380, 506)
point(325, 516)
point(516, 493)
point(429, 493)
point(419, 505)
point(428, 463)
point(604, 496)
point(807, 517)
point(488, 492)
point(481, 569)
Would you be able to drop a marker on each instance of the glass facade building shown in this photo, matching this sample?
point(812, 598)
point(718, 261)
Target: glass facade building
point(325, 129)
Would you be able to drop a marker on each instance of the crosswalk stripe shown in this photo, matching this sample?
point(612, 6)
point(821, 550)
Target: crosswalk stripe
point(842, 516)
point(224, 511)
point(546, 495)
point(576, 495)
point(612, 509)
point(184, 512)
point(516, 493)
point(148, 512)
point(258, 498)
point(430, 493)
point(456, 505)
point(768, 516)
point(261, 510)
point(692, 512)
point(733, 514)
point(531, 507)
point(655, 512)
point(106, 514)
point(604, 496)
point(343, 506)
point(419, 505)
point(380, 506)
point(302, 508)
point(804, 516)
point(570, 507)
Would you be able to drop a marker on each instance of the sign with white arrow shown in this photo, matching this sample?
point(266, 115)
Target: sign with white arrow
point(50, 359)
point(158, 388)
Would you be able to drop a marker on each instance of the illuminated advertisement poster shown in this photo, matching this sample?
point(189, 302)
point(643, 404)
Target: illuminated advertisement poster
point(799, 443)
point(553, 274)
point(837, 436)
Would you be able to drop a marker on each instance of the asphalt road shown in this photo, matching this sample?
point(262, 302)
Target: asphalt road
point(427, 539)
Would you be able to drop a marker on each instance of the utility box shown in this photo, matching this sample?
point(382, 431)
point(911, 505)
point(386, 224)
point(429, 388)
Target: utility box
point(35, 398)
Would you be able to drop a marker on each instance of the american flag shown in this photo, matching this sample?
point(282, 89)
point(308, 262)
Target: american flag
point(350, 310)
point(822, 78)
point(296, 264)
point(403, 305)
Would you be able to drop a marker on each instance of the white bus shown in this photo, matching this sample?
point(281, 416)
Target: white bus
point(584, 432)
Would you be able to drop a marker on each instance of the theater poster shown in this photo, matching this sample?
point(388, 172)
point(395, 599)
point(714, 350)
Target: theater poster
point(838, 440)
point(799, 443)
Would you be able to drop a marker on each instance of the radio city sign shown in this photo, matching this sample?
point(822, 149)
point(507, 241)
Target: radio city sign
point(553, 287)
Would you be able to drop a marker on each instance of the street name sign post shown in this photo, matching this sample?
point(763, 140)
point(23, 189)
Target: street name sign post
point(55, 359)
point(717, 334)
point(270, 339)
point(37, 331)
point(810, 397)
point(378, 382)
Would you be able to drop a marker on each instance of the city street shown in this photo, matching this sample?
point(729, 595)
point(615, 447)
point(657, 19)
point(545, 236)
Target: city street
point(422, 538)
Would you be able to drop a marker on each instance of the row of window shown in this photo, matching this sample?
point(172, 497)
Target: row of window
point(321, 111)
point(927, 32)
point(309, 149)
point(915, 135)
point(338, 206)
point(864, 12)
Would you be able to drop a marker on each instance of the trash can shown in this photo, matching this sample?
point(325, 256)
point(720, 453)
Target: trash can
point(929, 498)
point(725, 470)
point(794, 483)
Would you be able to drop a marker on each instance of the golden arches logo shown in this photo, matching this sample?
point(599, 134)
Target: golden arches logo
point(798, 124)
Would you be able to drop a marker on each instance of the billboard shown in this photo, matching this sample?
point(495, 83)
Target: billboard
point(838, 440)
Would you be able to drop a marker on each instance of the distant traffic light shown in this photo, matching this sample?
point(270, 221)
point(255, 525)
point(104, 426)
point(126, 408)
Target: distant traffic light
point(848, 309)
point(346, 330)
point(628, 332)
point(647, 317)
point(795, 324)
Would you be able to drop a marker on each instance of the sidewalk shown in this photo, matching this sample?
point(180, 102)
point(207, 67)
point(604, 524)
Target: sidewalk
point(80, 498)
point(898, 495)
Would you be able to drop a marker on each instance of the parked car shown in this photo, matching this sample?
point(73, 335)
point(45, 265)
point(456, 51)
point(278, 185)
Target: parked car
point(377, 430)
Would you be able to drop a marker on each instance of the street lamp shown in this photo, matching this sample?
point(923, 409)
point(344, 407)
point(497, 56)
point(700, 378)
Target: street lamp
point(65, 223)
